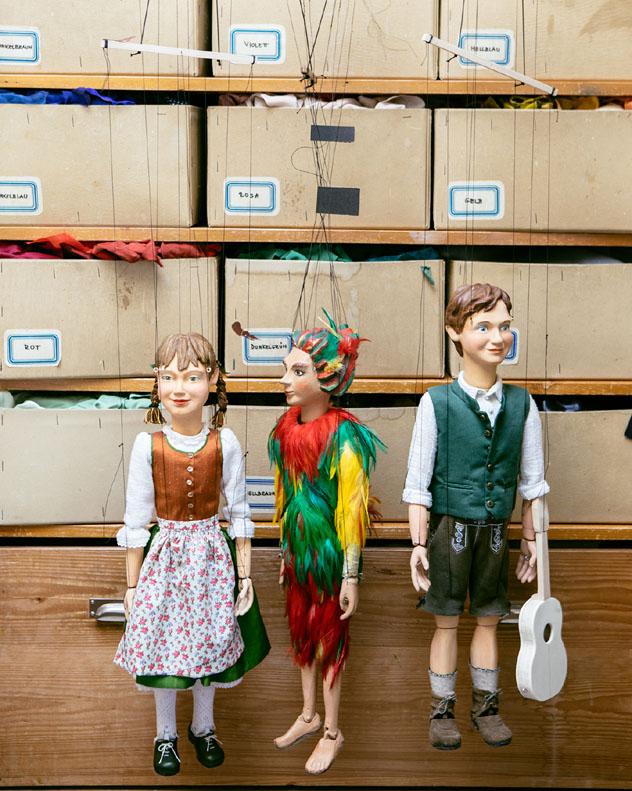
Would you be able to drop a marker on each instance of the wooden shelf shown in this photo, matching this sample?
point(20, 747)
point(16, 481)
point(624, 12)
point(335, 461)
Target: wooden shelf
point(341, 85)
point(406, 236)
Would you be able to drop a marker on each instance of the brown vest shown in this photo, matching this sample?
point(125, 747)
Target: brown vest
point(186, 485)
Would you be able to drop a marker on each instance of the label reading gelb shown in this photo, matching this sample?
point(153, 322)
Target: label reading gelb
point(267, 347)
point(497, 46)
point(20, 195)
point(251, 196)
point(32, 347)
point(260, 493)
point(513, 354)
point(474, 200)
point(20, 45)
point(265, 42)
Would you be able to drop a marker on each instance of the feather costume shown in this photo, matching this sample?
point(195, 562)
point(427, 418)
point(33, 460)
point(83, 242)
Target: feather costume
point(322, 498)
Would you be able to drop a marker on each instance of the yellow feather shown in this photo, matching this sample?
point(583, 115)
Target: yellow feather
point(279, 499)
point(352, 513)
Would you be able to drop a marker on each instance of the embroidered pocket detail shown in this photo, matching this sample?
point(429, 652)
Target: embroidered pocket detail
point(496, 538)
point(459, 537)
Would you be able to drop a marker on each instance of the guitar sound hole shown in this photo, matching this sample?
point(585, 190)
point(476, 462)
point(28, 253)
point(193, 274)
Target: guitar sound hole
point(547, 633)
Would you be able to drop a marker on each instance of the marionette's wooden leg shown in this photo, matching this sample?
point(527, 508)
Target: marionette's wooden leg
point(331, 743)
point(308, 721)
point(443, 648)
point(484, 645)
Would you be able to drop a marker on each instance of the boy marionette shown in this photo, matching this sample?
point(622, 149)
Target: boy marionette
point(476, 443)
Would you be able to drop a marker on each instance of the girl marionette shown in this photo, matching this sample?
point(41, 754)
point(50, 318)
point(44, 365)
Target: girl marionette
point(193, 618)
point(322, 457)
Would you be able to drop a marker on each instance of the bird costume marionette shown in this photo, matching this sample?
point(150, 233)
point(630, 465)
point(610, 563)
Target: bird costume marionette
point(476, 444)
point(322, 457)
point(192, 616)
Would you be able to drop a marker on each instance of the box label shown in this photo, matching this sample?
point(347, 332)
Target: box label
point(20, 195)
point(513, 355)
point(265, 42)
point(267, 347)
point(251, 196)
point(20, 45)
point(260, 493)
point(474, 200)
point(32, 347)
point(497, 46)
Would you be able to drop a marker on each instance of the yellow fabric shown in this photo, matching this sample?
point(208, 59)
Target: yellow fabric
point(352, 513)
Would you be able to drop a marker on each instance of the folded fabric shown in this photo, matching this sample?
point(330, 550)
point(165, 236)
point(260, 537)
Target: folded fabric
point(313, 252)
point(541, 103)
point(29, 400)
point(83, 96)
point(298, 102)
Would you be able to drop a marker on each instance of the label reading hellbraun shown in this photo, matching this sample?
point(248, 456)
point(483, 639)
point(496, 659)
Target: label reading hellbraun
point(265, 42)
point(514, 353)
point(20, 195)
point(20, 45)
point(251, 196)
point(476, 200)
point(497, 46)
point(266, 347)
point(24, 348)
point(260, 493)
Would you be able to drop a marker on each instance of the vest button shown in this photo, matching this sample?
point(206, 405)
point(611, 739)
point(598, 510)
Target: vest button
point(189, 494)
point(489, 485)
point(190, 455)
point(189, 482)
point(490, 467)
point(489, 503)
point(189, 469)
point(482, 415)
point(488, 432)
point(190, 505)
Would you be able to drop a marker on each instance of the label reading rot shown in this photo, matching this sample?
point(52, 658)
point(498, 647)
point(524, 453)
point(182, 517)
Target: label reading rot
point(497, 46)
point(251, 196)
point(513, 354)
point(267, 347)
point(20, 45)
point(20, 195)
point(473, 200)
point(260, 493)
point(32, 347)
point(265, 42)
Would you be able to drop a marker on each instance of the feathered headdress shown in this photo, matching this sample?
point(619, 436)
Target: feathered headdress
point(334, 351)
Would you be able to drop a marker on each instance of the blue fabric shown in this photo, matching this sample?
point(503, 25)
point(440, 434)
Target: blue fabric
point(82, 96)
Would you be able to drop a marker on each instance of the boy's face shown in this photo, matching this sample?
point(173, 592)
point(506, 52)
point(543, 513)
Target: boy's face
point(486, 337)
point(300, 381)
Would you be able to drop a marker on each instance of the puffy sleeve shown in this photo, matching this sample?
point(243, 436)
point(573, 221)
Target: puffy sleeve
point(139, 498)
point(352, 508)
point(237, 510)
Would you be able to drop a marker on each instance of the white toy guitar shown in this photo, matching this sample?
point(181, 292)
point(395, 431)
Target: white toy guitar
point(541, 666)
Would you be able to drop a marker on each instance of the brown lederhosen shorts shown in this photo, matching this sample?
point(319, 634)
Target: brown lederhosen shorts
point(466, 556)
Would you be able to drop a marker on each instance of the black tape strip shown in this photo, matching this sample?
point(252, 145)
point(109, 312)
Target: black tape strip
point(333, 134)
point(338, 200)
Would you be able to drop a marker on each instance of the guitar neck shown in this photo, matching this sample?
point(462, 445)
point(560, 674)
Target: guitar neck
point(540, 513)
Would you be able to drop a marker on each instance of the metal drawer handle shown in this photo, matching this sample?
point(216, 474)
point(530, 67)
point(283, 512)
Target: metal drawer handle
point(513, 615)
point(107, 610)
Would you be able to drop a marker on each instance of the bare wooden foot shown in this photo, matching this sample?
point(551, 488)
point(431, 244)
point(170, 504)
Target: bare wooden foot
point(325, 752)
point(299, 729)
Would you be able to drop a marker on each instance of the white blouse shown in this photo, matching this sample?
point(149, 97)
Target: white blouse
point(140, 506)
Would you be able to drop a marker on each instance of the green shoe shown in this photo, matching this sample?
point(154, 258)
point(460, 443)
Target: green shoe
point(207, 748)
point(166, 758)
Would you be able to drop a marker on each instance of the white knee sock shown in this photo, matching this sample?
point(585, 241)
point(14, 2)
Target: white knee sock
point(203, 699)
point(165, 713)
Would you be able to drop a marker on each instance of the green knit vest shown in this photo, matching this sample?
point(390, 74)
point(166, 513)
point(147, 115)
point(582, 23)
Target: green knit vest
point(476, 468)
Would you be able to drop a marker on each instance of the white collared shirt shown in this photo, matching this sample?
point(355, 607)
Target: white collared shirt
point(423, 447)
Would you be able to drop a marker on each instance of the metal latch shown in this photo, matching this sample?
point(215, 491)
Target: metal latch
point(107, 610)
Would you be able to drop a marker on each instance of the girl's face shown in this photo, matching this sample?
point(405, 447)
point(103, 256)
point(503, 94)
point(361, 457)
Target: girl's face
point(183, 393)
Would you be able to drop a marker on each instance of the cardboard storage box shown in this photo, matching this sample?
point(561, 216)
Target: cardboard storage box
point(557, 300)
point(100, 165)
point(67, 318)
point(263, 296)
point(368, 39)
point(394, 427)
point(546, 170)
point(64, 37)
point(570, 40)
point(263, 172)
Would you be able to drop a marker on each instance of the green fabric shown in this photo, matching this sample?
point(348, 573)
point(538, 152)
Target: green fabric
point(476, 467)
point(253, 633)
point(312, 252)
point(30, 400)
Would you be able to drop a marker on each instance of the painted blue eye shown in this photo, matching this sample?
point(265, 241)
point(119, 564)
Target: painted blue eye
point(505, 328)
point(482, 329)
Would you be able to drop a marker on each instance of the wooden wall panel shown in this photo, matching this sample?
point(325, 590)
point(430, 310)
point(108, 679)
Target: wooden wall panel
point(72, 718)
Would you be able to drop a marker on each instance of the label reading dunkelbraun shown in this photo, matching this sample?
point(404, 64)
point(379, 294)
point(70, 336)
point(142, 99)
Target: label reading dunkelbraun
point(497, 46)
point(20, 195)
point(476, 200)
point(20, 45)
point(265, 42)
point(513, 354)
point(23, 348)
point(260, 493)
point(251, 196)
point(266, 347)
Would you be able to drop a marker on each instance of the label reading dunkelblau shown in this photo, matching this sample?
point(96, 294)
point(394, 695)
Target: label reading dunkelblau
point(266, 346)
point(265, 42)
point(251, 196)
point(19, 45)
point(20, 195)
point(513, 355)
point(497, 46)
point(476, 200)
point(260, 493)
point(32, 348)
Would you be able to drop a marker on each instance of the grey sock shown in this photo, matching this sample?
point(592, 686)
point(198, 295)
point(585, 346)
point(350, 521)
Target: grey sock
point(443, 685)
point(485, 679)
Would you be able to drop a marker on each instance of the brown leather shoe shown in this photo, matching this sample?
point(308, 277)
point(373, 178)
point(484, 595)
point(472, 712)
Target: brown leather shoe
point(444, 733)
point(487, 720)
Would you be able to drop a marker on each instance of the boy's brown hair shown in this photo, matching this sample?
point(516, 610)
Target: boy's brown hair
point(470, 299)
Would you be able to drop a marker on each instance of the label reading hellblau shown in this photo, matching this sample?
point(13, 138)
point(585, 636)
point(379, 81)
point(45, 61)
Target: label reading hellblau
point(474, 200)
point(266, 347)
point(20, 45)
point(260, 493)
point(20, 195)
point(514, 353)
point(32, 347)
point(251, 196)
point(265, 42)
point(497, 46)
